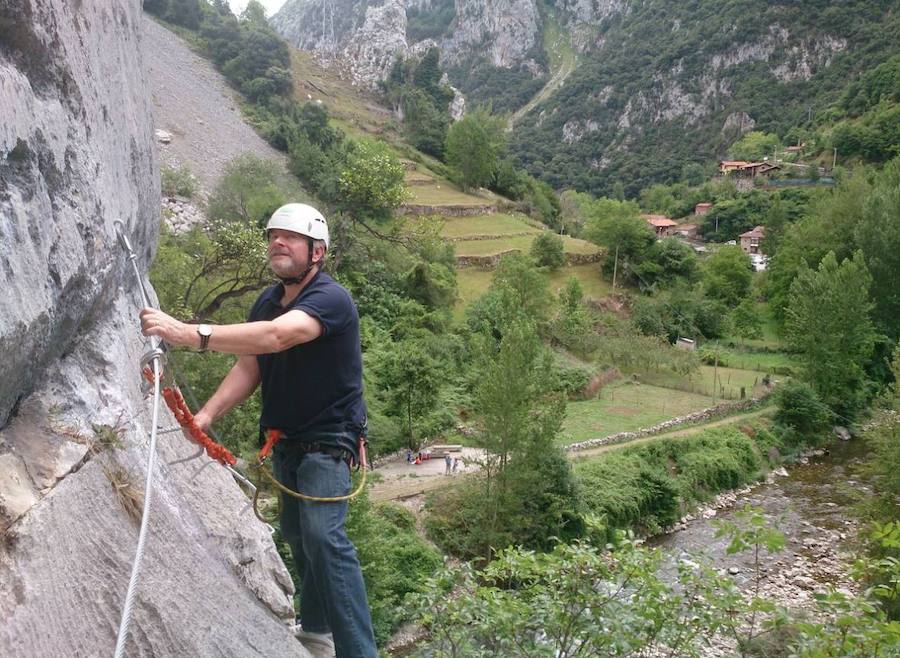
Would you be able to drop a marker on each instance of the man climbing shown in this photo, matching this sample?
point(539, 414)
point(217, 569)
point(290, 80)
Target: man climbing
point(301, 342)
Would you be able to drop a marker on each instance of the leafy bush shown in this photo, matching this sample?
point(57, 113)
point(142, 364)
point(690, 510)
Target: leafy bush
point(548, 251)
point(178, 181)
point(800, 412)
point(647, 487)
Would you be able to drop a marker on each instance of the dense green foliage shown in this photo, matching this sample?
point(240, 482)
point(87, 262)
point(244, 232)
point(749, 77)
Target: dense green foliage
point(396, 560)
point(650, 487)
point(829, 324)
point(802, 417)
point(641, 64)
point(474, 146)
point(414, 88)
point(547, 251)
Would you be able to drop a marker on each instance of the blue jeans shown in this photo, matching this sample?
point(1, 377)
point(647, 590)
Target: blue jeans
point(332, 591)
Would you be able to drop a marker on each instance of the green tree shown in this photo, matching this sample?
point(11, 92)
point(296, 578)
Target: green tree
point(829, 226)
point(727, 275)
point(573, 326)
point(250, 190)
point(828, 322)
point(424, 123)
point(548, 251)
point(745, 319)
point(755, 145)
point(801, 414)
point(474, 147)
point(626, 236)
point(667, 261)
point(254, 13)
point(517, 289)
point(411, 381)
point(525, 492)
point(431, 284)
point(186, 13)
point(371, 181)
point(878, 236)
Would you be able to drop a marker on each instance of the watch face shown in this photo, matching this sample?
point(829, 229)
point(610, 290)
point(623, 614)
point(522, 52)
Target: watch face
point(204, 330)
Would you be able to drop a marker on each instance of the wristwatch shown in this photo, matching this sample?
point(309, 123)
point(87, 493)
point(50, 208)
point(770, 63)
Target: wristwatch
point(205, 332)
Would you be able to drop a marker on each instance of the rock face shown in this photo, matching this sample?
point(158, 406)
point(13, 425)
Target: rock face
point(503, 31)
point(367, 36)
point(76, 154)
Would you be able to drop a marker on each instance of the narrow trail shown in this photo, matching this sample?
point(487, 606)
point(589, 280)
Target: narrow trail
point(555, 82)
point(405, 481)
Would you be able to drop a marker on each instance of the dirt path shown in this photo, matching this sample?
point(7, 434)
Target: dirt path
point(401, 480)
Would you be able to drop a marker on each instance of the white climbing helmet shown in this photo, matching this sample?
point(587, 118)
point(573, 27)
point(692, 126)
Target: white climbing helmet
point(300, 218)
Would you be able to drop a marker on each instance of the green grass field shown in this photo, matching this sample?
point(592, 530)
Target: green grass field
point(759, 361)
point(520, 242)
point(496, 224)
point(474, 282)
point(444, 194)
point(730, 381)
point(622, 407)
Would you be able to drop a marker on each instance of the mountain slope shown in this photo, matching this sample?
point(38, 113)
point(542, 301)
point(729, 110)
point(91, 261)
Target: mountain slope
point(195, 105)
point(656, 85)
point(671, 84)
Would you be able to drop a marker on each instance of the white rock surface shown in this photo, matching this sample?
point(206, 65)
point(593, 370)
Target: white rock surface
point(77, 153)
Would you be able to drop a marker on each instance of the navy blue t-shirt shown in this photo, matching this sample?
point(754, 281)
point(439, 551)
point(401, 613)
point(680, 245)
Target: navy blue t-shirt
point(316, 386)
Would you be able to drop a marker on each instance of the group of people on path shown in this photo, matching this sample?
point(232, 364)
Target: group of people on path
point(451, 464)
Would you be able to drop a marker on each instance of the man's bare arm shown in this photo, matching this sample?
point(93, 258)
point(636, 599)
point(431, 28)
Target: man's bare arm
point(265, 337)
point(238, 385)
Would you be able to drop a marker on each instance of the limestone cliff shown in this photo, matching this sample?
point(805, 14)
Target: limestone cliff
point(76, 154)
point(367, 36)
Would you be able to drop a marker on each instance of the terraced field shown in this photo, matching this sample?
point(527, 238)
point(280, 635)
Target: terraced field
point(478, 226)
point(623, 406)
point(474, 282)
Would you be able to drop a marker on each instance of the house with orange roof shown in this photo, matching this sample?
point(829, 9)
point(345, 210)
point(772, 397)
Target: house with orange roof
point(662, 225)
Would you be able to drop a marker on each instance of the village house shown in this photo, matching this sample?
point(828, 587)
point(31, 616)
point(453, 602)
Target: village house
point(662, 225)
point(751, 241)
point(702, 208)
point(744, 169)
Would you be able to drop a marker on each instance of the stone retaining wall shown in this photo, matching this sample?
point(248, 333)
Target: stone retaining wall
point(702, 416)
point(491, 261)
point(446, 211)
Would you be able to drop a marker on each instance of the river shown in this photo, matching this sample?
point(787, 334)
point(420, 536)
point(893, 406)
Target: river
point(811, 505)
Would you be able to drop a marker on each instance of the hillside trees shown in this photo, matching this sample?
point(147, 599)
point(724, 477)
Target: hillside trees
point(371, 181)
point(525, 492)
point(474, 146)
point(415, 91)
point(250, 190)
point(626, 236)
point(828, 322)
point(548, 251)
point(754, 146)
point(878, 235)
point(727, 275)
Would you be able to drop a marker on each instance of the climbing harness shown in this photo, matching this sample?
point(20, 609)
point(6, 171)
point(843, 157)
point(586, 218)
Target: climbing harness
point(273, 436)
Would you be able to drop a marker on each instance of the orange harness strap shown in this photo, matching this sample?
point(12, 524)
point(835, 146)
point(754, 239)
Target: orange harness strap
point(175, 401)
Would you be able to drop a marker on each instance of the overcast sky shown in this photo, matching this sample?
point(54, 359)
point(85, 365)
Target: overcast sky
point(237, 6)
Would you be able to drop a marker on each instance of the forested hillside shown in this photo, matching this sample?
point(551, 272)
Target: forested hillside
point(671, 84)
